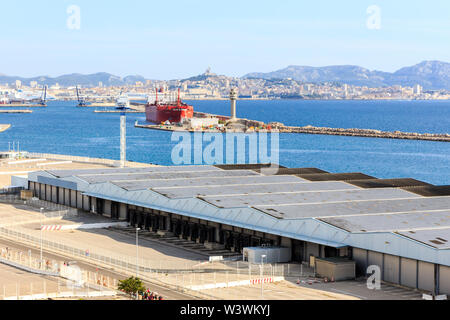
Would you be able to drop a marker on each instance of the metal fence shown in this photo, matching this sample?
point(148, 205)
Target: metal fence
point(107, 162)
point(76, 283)
point(50, 209)
point(10, 190)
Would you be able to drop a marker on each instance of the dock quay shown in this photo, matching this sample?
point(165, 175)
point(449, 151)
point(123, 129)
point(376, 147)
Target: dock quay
point(4, 127)
point(22, 105)
point(101, 104)
point(369, 133)
point(16, 111)
point(118, 111)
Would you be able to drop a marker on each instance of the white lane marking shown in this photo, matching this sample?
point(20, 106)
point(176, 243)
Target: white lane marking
point(348, 293)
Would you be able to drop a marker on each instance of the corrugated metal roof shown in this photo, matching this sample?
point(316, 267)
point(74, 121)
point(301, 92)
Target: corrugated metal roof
point(109, 171)
point(99, 178)
point(363, 208)
point(324, 208)
point(335, 176)
point(250, 166)
point(438, 238)
point(206, 181)
point(296, 171)
point(254, 192)
point(278, 200)
point(392, 222)
point(388, 183)
point(430, 191)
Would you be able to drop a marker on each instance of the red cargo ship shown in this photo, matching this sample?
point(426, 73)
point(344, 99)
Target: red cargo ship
point(172, 111)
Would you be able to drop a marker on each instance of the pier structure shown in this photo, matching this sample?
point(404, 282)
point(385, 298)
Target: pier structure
point(16, 111)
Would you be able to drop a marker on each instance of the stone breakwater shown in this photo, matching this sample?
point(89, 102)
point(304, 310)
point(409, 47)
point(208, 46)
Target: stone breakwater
point(370, 133)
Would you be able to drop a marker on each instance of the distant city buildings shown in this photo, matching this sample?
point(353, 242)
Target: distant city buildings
point(212, 86)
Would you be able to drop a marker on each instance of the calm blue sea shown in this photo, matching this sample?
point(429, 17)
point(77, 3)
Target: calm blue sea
point(63, 128)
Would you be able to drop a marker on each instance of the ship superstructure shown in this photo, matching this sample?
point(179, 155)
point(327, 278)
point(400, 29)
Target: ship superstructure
point(165, 107)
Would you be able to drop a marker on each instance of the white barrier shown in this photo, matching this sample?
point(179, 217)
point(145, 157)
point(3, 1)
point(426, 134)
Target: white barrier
point(83, 226)
point(235, 283)
point(26, 161)
point(53, 163)
point(215, 258)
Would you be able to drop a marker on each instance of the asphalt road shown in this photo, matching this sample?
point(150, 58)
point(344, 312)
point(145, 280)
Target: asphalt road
point(168, 294)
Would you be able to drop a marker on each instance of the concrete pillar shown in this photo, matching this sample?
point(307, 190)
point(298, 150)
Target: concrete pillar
point(286, 242)
point(217, 236)
point(167, 223)
point(123, 211)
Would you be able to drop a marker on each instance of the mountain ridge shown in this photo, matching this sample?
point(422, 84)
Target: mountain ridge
point(431, 75)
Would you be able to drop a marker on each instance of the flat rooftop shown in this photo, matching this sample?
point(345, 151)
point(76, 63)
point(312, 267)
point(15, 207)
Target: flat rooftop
point(354, 202)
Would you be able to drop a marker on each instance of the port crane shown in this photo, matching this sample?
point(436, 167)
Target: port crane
point(81, 101)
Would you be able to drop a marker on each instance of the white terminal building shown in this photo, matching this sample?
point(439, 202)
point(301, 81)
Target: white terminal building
point(400, 225)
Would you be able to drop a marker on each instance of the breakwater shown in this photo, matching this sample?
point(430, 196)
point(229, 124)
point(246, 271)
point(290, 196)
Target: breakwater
point(12, 105)
point(369, 133)
point(16, 111)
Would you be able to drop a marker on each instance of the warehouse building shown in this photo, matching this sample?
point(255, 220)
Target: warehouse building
point(400, 225)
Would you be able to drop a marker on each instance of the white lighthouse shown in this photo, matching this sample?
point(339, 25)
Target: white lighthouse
point(233, 98)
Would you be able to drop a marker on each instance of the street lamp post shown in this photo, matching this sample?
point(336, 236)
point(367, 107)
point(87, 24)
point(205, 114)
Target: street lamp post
point(137, 258)
point(137, 252)
point(262, 266)
point(42, 209)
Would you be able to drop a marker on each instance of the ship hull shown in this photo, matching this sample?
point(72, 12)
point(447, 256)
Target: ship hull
point(173, 114)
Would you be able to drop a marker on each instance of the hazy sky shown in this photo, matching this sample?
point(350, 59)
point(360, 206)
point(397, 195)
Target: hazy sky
point(170, 39)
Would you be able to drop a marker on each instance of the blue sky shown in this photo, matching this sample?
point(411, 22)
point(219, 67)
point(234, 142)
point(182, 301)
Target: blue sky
point(171, 39)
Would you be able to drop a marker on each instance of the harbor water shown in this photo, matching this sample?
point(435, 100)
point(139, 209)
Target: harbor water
point(65, 129)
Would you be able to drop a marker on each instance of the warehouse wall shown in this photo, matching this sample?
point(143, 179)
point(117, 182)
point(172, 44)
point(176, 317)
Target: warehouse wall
point(360, 257)
point(408, 273)
point(444, 280)
point(107, 209)
point(61, 195)
point(79, 200)
point(376, 258)
point(48, 192)
point(426, 276)
point(123, 211)
point(86, 203)
point(54, 194)
point(67, 197)
point(312, 249)
point(73, 198)
point(391, 268)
